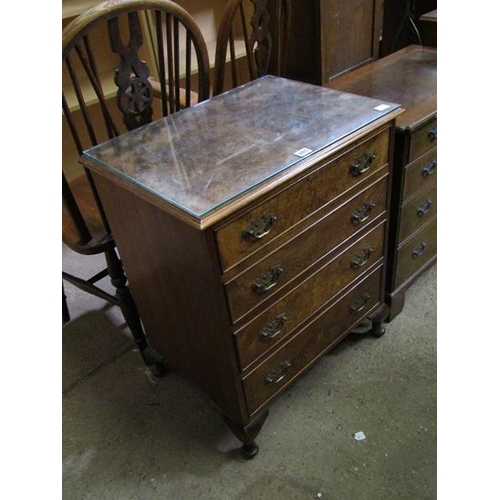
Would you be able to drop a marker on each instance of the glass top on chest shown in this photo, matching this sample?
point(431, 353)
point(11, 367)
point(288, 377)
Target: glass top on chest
point(202, 157)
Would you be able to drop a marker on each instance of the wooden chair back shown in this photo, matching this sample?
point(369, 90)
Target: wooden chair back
point(251, 38)
point(125, 63)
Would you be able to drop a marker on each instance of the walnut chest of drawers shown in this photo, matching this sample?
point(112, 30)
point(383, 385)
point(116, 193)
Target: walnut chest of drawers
point(408, 77)
point(253, 230)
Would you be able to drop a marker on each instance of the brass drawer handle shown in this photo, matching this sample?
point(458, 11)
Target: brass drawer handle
point(278, 374)
point(267, 280)
point(432, 134)
point(360, 304)
point(361, 214)
point(274, 328)
point(361, 165)
point(424, 208)
point(259, 228)
point(362, 259)
point(429, 168)
point(419, 250)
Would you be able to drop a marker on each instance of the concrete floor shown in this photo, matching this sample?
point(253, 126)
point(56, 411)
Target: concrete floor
point(129, 436)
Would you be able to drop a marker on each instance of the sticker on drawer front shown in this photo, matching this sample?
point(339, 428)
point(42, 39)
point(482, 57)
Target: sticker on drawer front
point(303, 152)
point(382, 107)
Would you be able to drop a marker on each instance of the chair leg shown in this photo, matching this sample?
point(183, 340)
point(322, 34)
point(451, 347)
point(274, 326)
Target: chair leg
point(129, 310)
point(65, 311)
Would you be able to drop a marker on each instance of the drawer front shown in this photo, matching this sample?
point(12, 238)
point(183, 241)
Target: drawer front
point(259, 226)
point(417, 211)
point(423, 139)
point(287, 363)
point(282, 319)
point(415, 253)
point(258, 283)
point(422, 172)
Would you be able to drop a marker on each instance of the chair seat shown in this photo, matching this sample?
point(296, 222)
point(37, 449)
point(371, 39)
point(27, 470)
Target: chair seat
point(155, 84)
point(101, 239)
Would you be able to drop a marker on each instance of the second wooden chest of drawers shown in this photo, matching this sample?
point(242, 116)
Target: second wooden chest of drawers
point(407, 77)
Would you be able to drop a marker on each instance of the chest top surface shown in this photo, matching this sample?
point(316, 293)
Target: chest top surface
point(408, 76)
point(204, 156)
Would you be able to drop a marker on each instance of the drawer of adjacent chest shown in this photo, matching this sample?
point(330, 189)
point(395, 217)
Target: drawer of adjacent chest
point(268, 220)
point(279, 321)
point(417, 211)
point(423, 139)
point(415, 253)
point(420, 173)
point(281, 368)
point(260, 281)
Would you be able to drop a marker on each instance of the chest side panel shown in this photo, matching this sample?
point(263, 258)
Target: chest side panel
point(175, 280)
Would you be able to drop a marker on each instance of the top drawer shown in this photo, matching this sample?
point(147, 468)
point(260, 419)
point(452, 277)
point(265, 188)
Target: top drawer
point(423, 139)
point(262, 224)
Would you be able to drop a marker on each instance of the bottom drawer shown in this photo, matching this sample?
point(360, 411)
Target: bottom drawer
point(286, 364)
point(415, 253)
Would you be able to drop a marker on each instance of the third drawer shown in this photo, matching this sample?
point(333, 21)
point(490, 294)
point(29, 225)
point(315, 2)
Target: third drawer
point(417, 211)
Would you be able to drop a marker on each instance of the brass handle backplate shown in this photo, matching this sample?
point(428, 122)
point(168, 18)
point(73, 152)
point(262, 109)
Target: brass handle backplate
point(274, 328)
point(267, 280)
point(360, 304)
point(419, 250)
point(361, 214)
point(361, 259)
point(429, 168)
point(259, 228)
point(278, 374)
point(361, 165)
point(424, 208)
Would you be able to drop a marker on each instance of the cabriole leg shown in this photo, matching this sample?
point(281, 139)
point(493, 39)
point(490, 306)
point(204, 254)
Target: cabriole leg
point(247, 434)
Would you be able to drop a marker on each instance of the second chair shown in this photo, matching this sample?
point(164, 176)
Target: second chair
point(251, 42)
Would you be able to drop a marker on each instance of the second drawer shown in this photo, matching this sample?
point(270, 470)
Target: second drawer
point(420, 173)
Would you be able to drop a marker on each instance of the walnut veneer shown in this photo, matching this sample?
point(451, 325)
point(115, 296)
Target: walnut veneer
point(253, 229)
point(409, 77)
